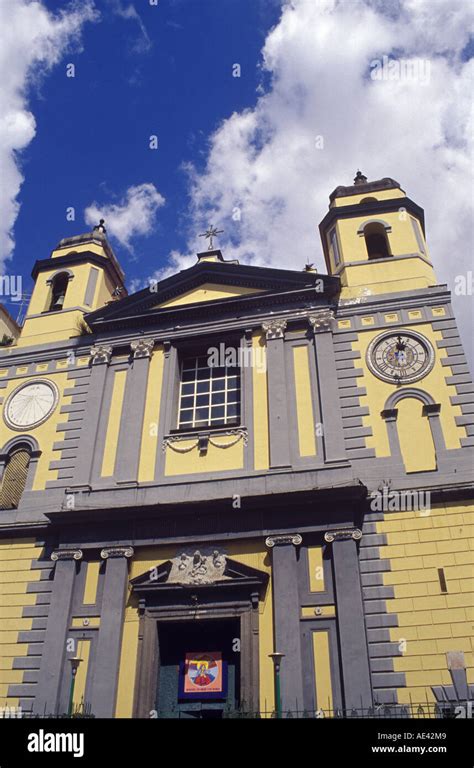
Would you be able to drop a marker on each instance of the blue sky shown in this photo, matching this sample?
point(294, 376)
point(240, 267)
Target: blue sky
point(256, 155)
point(92, 140)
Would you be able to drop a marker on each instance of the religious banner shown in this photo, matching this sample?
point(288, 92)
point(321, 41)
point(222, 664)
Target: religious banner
point(203, 675)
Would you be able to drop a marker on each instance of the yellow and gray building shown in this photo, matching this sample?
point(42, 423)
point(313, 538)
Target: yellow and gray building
point(309, 495)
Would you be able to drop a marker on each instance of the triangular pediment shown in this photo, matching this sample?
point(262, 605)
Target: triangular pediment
point(196, 569)
point(212, 286)
point(208, 292)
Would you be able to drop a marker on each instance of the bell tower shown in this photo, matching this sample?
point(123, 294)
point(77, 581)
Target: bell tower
point(81, 275)
point(373, 237)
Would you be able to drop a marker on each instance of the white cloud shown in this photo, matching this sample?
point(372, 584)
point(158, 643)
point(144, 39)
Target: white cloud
point(134, 214)
point(33, 41)
point(264, 161)
point(128, 12)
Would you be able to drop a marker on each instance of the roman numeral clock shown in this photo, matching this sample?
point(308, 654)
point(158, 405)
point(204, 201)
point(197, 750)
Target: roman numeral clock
point(400, 357)
point(30, 404)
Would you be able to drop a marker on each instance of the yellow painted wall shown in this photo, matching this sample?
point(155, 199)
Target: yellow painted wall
point(92, 582)
point(382, 194)
point(75, 293)
point(430, 622)
point(65, 324)
point(378, 392)
point(304, 402)
point(16, 556)
point(149, 443)
point(216, 459)
point(83, 652)
point(322, 670)
point(113, 424)
point(391, 275)
point(401, 238)
point(365, 277)
point(414, 434)
point(316, 569)
point(45, 433)
point(80, 248)
point(49, 328)
point(208, 292)
point(251, 553)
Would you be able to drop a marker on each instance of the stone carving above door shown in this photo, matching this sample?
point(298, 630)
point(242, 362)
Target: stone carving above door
point(197, 568)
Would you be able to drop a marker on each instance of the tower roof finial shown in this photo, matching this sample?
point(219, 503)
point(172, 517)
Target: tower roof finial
point(211, 233)
point(360, 178)
point(100, 227)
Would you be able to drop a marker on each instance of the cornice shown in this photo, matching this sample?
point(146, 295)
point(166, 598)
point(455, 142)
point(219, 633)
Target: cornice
point(79, 258)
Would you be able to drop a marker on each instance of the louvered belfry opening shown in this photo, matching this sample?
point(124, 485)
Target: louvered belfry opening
point(14, 478)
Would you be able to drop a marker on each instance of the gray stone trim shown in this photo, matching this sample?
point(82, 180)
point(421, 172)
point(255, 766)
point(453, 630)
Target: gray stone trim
point(378, 621)
point(378, 635)
point(356, 411)
point(168, 403)
point(35, 611)
point(27, 662)
point(352, 632)
point(131, 420)
point(327, 378)
point(419, 238)
point(381, 620)
point(278, 425)
point(96, 442)
point(378, 593)
point(345, 354)
point(247, 404)
point(54, 652)
point(286, 618)
point(109, 644)
point(91, 286)
point(371, 580)
point(388, 680)
point(376, 650)
point(296, 459)
point(381, 665)
point(467, 398)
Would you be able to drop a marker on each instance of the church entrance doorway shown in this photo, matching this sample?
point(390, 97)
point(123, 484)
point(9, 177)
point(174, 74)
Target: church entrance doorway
point(199, 668)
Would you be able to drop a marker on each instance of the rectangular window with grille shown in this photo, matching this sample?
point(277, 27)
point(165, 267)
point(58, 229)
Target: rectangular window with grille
point(209, 396)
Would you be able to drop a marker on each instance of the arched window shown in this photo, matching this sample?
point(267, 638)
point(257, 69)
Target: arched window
point(376, 241)
point(14, 477)
point(58, 291)
point(368, 200)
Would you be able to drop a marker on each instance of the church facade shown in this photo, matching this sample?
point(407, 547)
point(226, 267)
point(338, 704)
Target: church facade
point(238, 462)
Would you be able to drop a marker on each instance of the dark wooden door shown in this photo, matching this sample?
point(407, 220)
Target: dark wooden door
point(176, 639)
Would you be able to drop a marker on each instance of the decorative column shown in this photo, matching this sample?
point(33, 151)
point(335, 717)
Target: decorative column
point(101, 356)
point(389, 415)
point(54, 647)
point(432, 411)
point(321, 323)
point(131, 423)
point(277, 394)
point(356, 682)
point(109, 641)
point(286, 617)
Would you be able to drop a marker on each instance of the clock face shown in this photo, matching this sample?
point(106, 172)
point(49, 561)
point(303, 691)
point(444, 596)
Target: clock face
point(30, 404)
point(400, 357)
